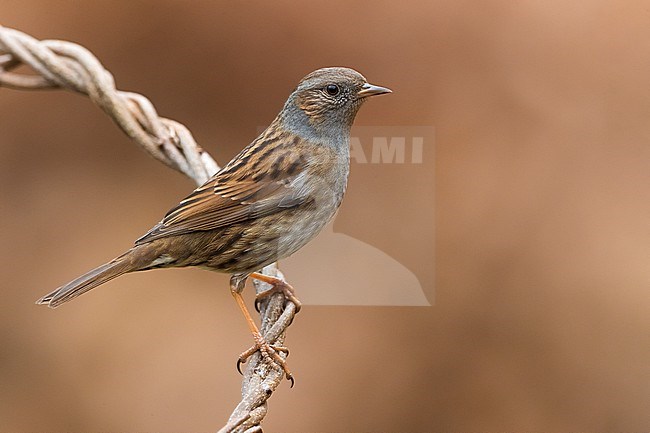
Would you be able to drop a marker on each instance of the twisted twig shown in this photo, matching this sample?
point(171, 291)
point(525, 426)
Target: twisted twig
point(65, 65)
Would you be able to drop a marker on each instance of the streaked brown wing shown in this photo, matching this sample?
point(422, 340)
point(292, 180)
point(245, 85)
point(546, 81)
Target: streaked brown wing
point(233, 195)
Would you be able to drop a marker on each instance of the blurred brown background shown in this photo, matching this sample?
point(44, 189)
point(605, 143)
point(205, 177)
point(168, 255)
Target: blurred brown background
point(542, 209)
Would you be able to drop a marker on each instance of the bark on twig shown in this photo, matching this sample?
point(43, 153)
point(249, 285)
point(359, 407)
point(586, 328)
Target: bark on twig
point(65, 65)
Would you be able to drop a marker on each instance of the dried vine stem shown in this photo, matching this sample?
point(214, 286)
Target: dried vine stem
point(65, 65)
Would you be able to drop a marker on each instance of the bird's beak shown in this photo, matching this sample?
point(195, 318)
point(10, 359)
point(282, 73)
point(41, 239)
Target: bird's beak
point(371, 90)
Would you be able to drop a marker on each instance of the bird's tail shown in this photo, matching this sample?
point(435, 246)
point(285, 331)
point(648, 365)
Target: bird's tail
point(130, 261)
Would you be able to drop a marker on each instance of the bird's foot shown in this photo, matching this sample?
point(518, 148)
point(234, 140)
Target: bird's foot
point(278, 285)
point(270, 353)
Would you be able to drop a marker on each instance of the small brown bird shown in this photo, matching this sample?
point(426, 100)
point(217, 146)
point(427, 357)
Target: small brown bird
point(264, 205)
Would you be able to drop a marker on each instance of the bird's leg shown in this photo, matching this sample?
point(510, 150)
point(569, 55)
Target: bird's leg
point(278, 285)
point(268, 351)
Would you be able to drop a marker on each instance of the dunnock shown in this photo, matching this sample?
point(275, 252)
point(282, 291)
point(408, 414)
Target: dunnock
point(265, 204)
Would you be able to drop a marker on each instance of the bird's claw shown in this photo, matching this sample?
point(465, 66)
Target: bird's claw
point(270, 353)
point(278, 286)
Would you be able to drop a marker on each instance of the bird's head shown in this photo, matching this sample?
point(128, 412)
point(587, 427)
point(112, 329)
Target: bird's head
point(326, 102)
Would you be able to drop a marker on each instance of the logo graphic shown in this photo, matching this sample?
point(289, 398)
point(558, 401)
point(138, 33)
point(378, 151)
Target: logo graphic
point(338, 269)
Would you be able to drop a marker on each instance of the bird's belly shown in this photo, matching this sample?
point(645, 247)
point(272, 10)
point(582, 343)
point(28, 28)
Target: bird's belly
point(268, 239)
point(299, 225)
point(301, 230)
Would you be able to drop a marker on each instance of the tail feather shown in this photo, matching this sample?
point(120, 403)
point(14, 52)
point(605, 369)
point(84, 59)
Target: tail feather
point(139, 258)
point(86, 282)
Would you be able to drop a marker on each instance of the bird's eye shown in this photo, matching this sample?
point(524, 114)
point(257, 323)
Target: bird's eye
point(332, 89)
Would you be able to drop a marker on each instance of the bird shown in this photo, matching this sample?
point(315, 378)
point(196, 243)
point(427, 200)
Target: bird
point(265, 204)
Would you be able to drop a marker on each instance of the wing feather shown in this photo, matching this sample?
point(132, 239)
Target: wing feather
point(235, 195)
